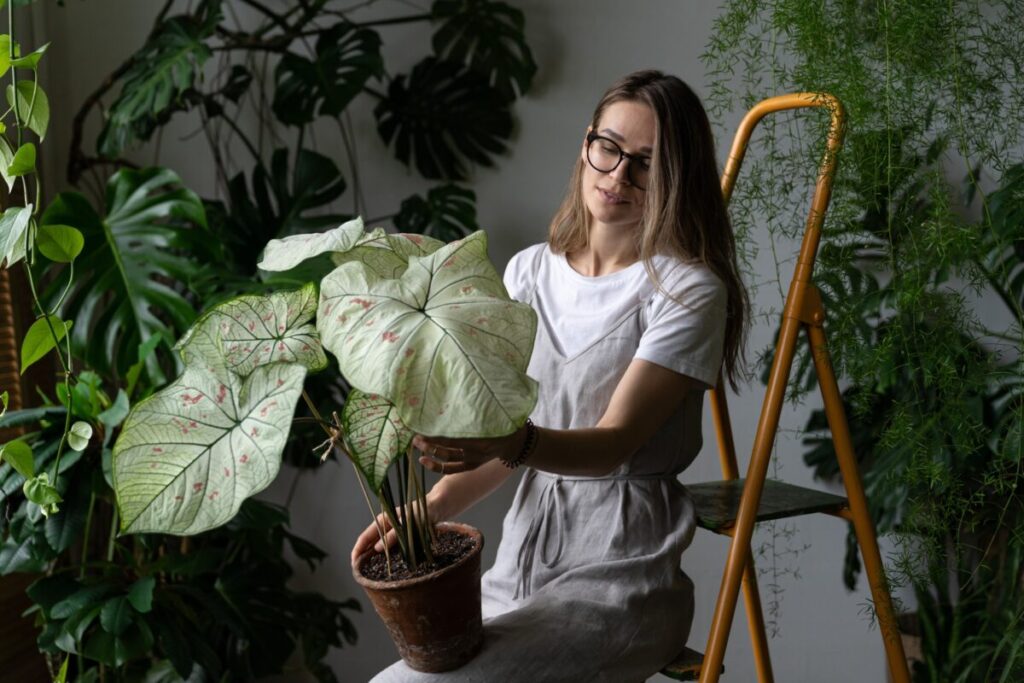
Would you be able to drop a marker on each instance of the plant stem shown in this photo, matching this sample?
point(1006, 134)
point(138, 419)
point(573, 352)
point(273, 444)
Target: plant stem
point(410, 19)
point(112, 537)
point(85, 535)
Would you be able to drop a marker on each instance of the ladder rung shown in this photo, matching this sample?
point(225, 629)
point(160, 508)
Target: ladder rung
point(686, 666)
point(718, 502)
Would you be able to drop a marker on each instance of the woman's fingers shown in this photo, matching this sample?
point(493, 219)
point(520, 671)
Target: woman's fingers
point(450, 467)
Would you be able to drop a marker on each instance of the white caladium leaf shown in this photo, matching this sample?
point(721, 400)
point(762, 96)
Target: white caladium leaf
point(286, 253)
point(248, 331)
point(191, 453)
point(443, 342)
point(388, 255)
point(374, 434)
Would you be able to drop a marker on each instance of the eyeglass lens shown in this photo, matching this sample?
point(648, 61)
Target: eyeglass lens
point(605, 155)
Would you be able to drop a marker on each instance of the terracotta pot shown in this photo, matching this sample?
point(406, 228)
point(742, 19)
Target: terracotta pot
point(434, 619)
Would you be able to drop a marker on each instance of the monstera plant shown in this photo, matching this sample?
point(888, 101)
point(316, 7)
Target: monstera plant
point(423, 331)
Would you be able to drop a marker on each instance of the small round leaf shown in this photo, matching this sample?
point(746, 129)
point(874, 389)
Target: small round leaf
point(78, 437)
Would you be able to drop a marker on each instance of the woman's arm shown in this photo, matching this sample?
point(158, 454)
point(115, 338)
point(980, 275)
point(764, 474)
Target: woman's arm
point(645, 397)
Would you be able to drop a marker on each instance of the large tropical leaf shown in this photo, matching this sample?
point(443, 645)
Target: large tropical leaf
point(163, 70)
point(448, 213)
point(443, 342)
point(288, 252)
point(489, 37)
point(136, 264)
point(442, 115)
point(190, 454)
point(374, 434)
point(283, 202)
point(346, 57)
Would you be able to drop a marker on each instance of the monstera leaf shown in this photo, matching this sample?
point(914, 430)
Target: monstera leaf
point(374, 434)
point(136, 263)
point(442, 115)
point(162, 71)
point(346, 57)
point(190, 454)
point(443, 342)
point(489, 37)
point(448, 213)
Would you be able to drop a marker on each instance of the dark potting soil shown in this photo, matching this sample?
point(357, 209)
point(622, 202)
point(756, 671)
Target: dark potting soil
point(451, 546)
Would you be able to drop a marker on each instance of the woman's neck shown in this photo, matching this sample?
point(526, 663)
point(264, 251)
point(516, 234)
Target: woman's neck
point(610, 249)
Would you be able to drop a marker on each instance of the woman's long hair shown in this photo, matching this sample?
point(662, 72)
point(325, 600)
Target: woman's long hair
point(684, 214)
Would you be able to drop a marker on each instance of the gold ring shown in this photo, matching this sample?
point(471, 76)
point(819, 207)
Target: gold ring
point(442, 468)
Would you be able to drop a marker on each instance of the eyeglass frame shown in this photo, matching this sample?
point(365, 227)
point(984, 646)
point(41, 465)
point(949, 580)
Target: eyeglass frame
point(591, 136)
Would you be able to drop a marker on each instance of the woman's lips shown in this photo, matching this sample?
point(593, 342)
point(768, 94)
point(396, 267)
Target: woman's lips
point(611, 197)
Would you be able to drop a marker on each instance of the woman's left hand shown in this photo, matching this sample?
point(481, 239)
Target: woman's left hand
point(451, 456)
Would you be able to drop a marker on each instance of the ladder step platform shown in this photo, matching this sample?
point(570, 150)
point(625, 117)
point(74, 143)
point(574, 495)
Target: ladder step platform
point(686, 666)
point(718, 502)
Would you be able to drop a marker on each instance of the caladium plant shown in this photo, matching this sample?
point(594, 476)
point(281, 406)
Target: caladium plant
point(424, 332)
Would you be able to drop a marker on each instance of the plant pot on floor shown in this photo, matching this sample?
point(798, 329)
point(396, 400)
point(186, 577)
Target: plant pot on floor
point(434, 619)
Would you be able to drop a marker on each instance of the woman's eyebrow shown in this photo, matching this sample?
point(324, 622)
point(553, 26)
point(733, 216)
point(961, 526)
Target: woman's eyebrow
point(618, 138)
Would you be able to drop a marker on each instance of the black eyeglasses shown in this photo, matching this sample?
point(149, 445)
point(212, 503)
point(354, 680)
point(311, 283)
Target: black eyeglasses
point(605, 155)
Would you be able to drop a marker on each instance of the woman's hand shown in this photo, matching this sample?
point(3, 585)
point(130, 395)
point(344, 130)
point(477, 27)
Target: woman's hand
point(370, 538)
point(451, 456)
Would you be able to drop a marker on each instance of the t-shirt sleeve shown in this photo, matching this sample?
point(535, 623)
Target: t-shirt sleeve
point(686, 333)
point(519, 273)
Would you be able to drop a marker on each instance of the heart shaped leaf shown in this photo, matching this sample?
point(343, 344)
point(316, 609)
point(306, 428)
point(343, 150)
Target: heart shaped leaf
point(346, 57)
point(441, 116)
point(191, 453)
point(443, 342)
point(388, 255)
point(374, 434)
point(286, 253)
point(249, 331)
point(489, 37)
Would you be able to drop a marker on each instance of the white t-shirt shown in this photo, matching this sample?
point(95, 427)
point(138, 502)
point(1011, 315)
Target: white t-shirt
point(685, 335)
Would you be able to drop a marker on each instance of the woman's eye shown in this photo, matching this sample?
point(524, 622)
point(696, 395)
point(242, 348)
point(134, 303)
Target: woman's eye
point(644, 163)
point(610, 149)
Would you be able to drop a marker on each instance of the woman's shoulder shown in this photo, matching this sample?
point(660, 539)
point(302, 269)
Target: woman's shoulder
point(522, 268)
point(678, 275)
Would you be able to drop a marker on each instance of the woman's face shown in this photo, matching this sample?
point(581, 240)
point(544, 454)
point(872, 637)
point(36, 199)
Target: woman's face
point(612, 197)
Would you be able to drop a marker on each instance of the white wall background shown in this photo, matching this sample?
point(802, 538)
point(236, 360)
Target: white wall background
point(581, 46)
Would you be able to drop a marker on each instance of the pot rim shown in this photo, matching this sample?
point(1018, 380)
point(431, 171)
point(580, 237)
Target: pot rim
point(400, 584)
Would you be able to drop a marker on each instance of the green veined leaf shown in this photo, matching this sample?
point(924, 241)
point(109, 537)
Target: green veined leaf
point(40, 491)
point(286, 253)
point(164, 69)
point(29, 61)
point(346, 58)
point(39, 340)
point(448, 213)
point(24, 161)
point(191, 453)
point(441, 116)
point(489, 36)
point(374, 434)
point(19, 455)
point(444, 343)
point(139, 262)
point(388, 256)
point(37, 112)
point(59, 243)
point(79, 435)
point(243, 333)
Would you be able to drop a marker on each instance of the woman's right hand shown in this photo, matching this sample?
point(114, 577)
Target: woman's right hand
point(369, 539)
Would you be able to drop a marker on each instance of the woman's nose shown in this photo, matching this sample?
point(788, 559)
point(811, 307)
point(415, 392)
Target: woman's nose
point(621, 172)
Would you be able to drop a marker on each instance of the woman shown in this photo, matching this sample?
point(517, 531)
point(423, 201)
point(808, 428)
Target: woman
point(639, 305)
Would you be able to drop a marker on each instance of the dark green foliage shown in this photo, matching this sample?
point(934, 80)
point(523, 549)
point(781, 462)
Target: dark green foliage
point(933, 381)
point(441, 113)
point(448, 213)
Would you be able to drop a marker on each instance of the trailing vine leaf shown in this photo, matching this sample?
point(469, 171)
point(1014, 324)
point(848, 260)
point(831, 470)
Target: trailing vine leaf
point(79, 435)
point(35, 115)
point(346, 57)
point(59, 243)
point(163, 70)
point(489, 37)
point(40, 491)
point(13, 224)
point(441, 116)
point(448, 213)
point(140, 260)
point(374, 434)
point(29, 61)
point(18, 454)
point(24, 161)
point(191, 453)
point(443, 342)
point(39, 340)
point(6, 159)
point(249, 331)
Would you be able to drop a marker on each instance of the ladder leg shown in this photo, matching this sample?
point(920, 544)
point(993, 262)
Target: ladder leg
point(862, 524)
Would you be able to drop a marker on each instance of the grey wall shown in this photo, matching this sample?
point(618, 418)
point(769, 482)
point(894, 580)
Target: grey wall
point(823, 632)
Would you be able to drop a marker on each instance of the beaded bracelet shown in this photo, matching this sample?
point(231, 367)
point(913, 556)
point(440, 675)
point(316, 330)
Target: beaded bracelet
point(527, 449)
